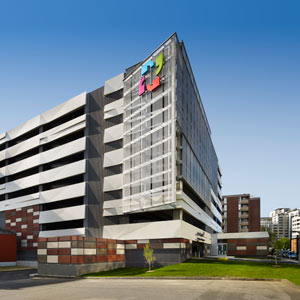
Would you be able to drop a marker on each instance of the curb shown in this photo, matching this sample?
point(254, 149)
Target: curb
point(18, 269)
point(290, 284)
point(191, 278)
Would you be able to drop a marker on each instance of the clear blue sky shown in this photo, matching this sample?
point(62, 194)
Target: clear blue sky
point(245, 57)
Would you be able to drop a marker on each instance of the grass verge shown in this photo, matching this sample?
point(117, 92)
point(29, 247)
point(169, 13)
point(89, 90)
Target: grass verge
point(212, 268)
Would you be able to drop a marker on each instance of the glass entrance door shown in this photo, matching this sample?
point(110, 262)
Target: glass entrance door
point(222, 249)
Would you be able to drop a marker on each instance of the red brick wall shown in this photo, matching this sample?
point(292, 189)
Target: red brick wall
point(232, 214)
point(254, 214)
point(79, 250)
point(24, 222)
point(8, 249)
point(249, 247)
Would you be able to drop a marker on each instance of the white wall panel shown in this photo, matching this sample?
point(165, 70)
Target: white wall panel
point(154, 230)
point(113, 113)
point(46, 157)
point(114, 84)
point(59, 152)
point(112, 208)
point(63, 127)
point(113, 158)
point(64, 108)
point(2, 172)
point(62, 214)
point(2, 154)
point(66, 171)
point(50, 115)
point(45, 137)
point(113, 133)
point(2, 138)
point(217, 200)
point(23, 128)
point(45, 177)
point(196, 211)
point(114, 182)
point(62, 232)
point(216, 212)
point(65, 132)
point(112, 204)
point(67, 192)
point(18, 202)
point(113, 105)
point(22, 147)
point(113, 211)
point(242, 235)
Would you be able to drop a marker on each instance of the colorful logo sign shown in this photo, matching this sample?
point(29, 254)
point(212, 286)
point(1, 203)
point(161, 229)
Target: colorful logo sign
point(159, 62)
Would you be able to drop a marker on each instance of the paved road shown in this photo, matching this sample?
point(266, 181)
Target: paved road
point(129, 289)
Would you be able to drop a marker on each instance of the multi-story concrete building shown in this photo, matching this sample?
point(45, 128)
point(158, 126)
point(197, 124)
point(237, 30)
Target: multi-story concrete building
point(266, 223)
point(241, 213)
point(294, 223)
point(280, 222)
point(132, 160)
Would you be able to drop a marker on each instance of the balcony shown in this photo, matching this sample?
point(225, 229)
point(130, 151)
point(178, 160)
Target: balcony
point(244, 201)
point(244, 223)
point(244, 216)
point(244, 230)
point(244, 208)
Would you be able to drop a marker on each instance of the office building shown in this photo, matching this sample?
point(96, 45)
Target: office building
point(131, 161)
point(241, 213)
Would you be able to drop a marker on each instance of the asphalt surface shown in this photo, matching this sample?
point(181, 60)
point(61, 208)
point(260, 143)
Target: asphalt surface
point(18, 285)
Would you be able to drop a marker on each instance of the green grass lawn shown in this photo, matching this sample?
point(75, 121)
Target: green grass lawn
point(213, 268)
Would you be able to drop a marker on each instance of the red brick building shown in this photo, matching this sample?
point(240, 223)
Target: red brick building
point(8, 248)
point(240, 213)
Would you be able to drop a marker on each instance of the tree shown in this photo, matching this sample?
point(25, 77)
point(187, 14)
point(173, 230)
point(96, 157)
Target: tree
point(148, 255)
point(275, 243)
point(285, 243)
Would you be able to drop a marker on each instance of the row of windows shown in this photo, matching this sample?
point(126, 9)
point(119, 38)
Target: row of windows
point(192, 123)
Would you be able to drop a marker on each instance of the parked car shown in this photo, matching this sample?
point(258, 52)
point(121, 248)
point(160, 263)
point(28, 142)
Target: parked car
point(285, 253)
point(292, 255)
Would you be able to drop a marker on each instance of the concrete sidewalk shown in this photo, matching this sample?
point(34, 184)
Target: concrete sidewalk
point(125, 289)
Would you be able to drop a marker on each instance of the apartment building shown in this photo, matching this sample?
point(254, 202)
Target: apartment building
point(281, 222)
point(132, 161)
point(266, 223)
point(241, 213)
point(294, 223)
point(241, 234)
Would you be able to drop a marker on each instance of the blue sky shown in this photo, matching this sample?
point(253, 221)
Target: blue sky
point(245, 57)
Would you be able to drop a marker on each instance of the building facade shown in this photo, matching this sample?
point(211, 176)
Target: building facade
point(266, 224)
point(294, 223)
point(281, 222)
point(249, 244)
point(241, 213)
point(131, 161)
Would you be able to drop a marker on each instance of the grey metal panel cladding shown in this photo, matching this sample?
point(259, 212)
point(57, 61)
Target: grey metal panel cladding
point(95, 153)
